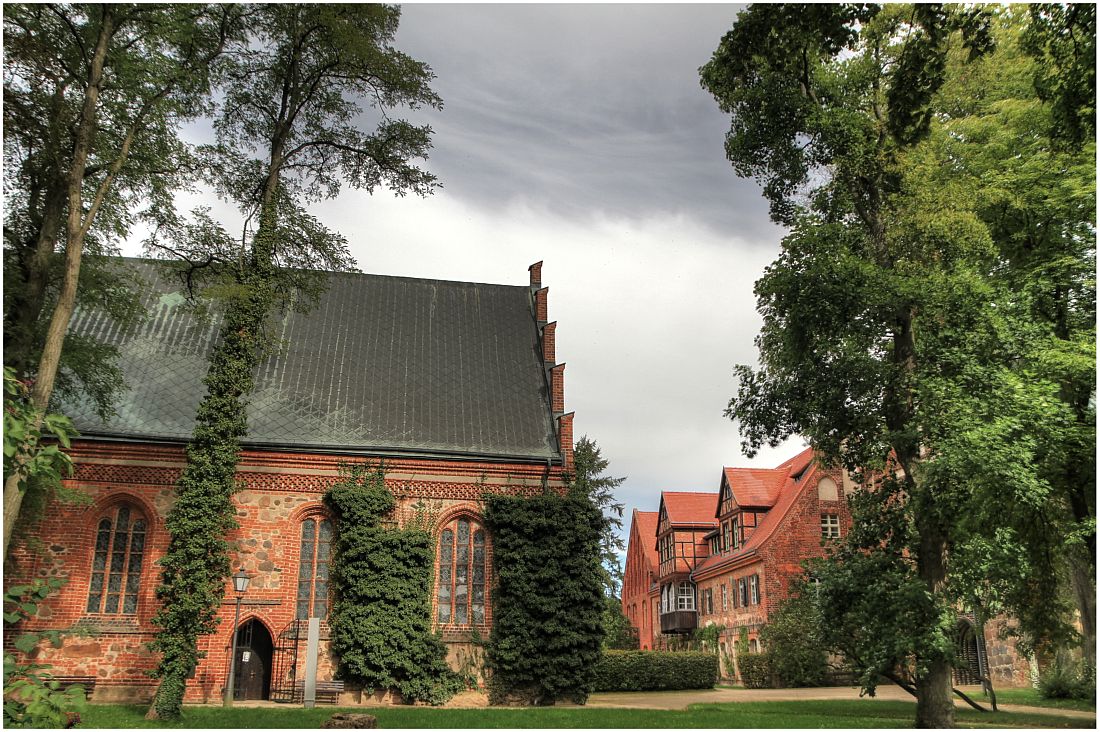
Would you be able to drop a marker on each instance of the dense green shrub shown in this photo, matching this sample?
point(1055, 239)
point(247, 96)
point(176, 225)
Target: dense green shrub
point(382, 580)
point(32, 697)
point(756, 670)
point(549, 601)
point(793, 639)
point(619, 633)
point(1066, 680)
point(654, 670)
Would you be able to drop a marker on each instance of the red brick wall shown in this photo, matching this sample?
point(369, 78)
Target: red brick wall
point(777, 563)
point(636, 582)
point(798, 537)
point(279, 490)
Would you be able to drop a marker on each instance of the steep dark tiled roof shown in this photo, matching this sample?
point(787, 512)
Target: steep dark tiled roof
point(381, 364)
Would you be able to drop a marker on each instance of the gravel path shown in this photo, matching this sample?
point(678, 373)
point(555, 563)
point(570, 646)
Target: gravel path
point(682, 699)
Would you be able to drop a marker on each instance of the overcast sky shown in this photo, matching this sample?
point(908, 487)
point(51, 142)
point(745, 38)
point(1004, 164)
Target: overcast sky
point(579, 135)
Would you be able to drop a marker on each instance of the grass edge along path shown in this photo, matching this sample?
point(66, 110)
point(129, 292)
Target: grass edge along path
point(862, 713)
point(1031, 698)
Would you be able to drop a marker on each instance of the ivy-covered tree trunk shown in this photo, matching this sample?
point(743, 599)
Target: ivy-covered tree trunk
point(196, 564)
point(294, 97)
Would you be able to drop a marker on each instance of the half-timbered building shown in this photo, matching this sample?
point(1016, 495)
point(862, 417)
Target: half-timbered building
point(729, 559)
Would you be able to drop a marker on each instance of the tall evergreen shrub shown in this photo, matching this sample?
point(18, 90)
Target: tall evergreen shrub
point(548, 603)
point(382, 580)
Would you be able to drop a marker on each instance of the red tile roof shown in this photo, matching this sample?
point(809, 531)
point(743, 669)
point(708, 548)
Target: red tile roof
point(646, 521)
point(800, 466)
point(689, 508)
point(760, 487)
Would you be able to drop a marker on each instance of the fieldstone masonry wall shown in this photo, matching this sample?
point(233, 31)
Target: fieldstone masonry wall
point(279, 491)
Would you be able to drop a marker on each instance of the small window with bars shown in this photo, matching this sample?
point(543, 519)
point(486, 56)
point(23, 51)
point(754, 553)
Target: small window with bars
point(117, 562)
point(313, 566)
point(461, 594)
point(830, 526)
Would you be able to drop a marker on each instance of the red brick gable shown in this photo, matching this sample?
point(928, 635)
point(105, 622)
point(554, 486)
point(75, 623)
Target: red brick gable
point(761, 487)
point(645, 523)
point(798, 472)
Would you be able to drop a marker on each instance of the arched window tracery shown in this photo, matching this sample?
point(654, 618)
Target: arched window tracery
point(461, 589)
point(117, 560)
point(313, 565)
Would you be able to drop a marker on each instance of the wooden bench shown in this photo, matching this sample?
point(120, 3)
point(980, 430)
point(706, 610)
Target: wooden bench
point(328, 692)
point(88, 682)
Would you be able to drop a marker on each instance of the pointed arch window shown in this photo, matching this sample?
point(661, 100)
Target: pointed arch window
point(313, 566)
point(117, 562)
point(461, 594)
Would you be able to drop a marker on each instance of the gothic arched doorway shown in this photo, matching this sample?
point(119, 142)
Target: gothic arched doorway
point(968, 668)
point(252, 679)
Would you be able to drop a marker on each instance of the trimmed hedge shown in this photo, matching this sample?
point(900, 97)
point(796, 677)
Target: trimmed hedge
point(654, 670)
point(756, 670)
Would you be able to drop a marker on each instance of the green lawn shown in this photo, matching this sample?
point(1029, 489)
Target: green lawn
point(865, 713)
point(1031, 698)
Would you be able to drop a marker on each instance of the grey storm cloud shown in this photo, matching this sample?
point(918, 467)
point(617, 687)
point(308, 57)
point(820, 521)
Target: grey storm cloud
point(585, 107)
point(579, 134)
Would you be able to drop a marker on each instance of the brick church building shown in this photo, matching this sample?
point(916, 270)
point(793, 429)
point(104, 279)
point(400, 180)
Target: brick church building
point(454, 385)
point(729, 558)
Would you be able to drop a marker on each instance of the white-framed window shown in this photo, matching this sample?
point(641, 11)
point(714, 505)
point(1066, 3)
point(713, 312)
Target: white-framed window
point(754, 589)
point(830, 526)
point(685, 598)
point(743, 592)
point(725, 598)
point(726, 540)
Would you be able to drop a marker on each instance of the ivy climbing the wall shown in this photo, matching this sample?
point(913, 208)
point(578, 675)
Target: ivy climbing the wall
point(549, 601)
point(382, 581)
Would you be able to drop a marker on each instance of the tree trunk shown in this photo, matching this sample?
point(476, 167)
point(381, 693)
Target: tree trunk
point(25, 307)
point(75, 230)
point(1084, 592)
point(935, 707)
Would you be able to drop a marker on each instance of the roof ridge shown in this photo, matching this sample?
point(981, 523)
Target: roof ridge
point(336, 273)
